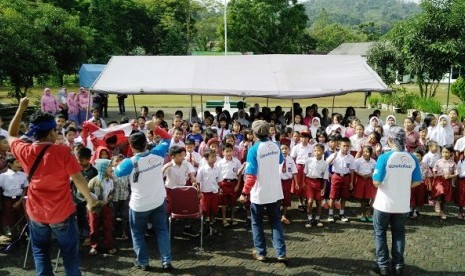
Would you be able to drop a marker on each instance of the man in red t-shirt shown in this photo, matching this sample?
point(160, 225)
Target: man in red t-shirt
point(49, 203)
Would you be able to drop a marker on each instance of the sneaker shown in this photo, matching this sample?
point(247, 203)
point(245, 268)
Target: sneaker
point(417, 213)
point(330, 218)
point(344, 218)
point(363, 219)
point(258, 257)
point(167, 267)
point(282, 259)
point(370, 219)
point(141, 267)
point(399, 271)
point(381, 270)
point(309, 224)
point(188, 231)
point(318, 223)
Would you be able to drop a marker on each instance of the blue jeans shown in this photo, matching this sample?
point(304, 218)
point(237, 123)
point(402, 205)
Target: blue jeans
point(67, 236)
point(138, 222)
point(277, 233)
point(381, 221)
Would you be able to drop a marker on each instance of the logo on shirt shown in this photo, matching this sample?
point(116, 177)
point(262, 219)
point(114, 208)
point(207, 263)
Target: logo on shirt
point(405, 163)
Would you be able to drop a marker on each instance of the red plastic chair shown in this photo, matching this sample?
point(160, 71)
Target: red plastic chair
point(185, 204)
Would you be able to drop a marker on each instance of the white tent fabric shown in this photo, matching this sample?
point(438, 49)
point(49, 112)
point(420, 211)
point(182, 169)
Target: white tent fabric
point(271, 76)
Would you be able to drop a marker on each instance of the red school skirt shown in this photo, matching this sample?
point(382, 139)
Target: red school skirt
point(286, 184)
point(442, 186)
point(364, 188)
point(418, 195)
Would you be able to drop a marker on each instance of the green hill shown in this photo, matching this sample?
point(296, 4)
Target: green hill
point(383, 13)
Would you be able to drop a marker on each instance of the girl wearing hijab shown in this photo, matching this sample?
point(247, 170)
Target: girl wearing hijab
point(443, 133)
point(373, 123)
point(48, 103)
point(390, 122)
point(85, 104)
point(73, 107)
point(314, 126)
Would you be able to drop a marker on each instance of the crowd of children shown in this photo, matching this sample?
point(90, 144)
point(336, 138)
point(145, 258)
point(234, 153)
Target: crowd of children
point(327, 161)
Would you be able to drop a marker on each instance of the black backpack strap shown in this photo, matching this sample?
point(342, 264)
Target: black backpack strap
point(36, 162)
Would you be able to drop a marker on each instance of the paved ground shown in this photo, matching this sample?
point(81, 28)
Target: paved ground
point(434, 247)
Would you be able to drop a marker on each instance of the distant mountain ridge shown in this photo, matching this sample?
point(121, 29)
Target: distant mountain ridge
point(384, 13)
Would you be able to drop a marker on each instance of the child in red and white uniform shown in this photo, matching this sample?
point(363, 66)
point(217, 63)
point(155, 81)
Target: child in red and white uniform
point(418, 193)
point(213, 145)
point(364, 190)
point(14, 184)
point(411, 136)
point(461, 188)
point(229, 185)
point(301, 152)
point(315, 176)
point(177, 138)
point(357, 140)
point(444, 171)
point(192, 156)
point(295, 139)
point(342, 179)
point(430, 158)
point(208, 177)
point(231, 139)
point(288, 172)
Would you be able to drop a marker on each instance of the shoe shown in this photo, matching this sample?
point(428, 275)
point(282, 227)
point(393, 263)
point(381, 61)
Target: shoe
point(363, 219)
point(282, 259)
point(344, 218)
point(167, 267)
point(188, 231)
point(370, 219)
point(443, 215)
point(437, 207)
point(93, 252)
point(417, 213)
point(381, 270)
point(225, 224)
point(318, 223)
point(141, 267)
point(330, 218)
point(309, 224)
point(399, 271)
point(258, 257)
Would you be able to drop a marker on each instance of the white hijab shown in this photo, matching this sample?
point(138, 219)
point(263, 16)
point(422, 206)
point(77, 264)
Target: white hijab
point(442, 135)
point(386, 127)
point(369, 128)
point(314, 129)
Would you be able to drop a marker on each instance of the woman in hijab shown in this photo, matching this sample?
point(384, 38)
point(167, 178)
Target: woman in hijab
point(73, 107)
point(443, 133)
point(372, 124)
point(390, 122)
point(48, 103)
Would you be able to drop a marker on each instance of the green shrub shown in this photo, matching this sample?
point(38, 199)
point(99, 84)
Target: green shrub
point(428, 105)
point(374, 100)
point(403, 99)
point(458, 88)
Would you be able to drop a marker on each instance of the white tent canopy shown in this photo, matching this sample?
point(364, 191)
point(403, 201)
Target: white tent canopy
point(271, 76)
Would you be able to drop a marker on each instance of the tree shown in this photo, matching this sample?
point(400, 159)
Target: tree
point(384, 58)
point(431, 42)
point(331, 36)
point(24, 52)
point(265, 26)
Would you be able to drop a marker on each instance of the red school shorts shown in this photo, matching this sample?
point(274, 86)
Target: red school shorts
point(364, 188)
point(286, 184)
point(340, 186)
point(228, 197)
point(442, 186)
point(300, 173)
point(313, 188)
point(461, 192)
point(209, 203)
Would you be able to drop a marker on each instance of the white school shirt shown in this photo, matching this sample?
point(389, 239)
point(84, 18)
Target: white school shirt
point(229, 168)
point(179, 143)
point(431, 158)
point(364, 167)
point(460, 144)
point(13, 183)
point(208, 178)
point(356, 142)
point(177, 176)
point(222, 132)
point(291, 168)
point(108, 187)
point(5, 133)
point(461, 168)
point(316, 168)
point(342, 164)
point(203, 161)
point(195, 157)
point(301, 153)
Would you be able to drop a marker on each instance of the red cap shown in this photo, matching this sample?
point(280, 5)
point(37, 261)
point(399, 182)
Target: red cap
point(213, 141)
point(285, 141)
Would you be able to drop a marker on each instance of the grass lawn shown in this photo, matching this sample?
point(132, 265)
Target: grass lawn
point(161, 101)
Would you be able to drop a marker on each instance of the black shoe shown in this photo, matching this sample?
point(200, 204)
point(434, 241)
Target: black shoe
point(381, 270)
point(167, 267)
point(188, 231)
point(141, 267)
point(399, 270)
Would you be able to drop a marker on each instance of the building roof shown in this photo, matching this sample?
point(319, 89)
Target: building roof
point(358, 49)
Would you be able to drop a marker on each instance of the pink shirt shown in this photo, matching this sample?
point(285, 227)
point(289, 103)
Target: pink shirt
point(443, 167)
point(412, 140)
point(48, 104)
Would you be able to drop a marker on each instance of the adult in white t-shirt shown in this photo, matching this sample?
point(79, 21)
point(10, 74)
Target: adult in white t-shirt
point(396, 172)
point(263, 186)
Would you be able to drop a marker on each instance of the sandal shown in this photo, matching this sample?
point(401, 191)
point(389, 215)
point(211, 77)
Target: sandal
point(112, 251)
point(93, 252)
point(285, 221)
point(233, 222)
point(225, 224)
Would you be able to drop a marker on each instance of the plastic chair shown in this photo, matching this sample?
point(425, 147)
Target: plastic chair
point(185, 204)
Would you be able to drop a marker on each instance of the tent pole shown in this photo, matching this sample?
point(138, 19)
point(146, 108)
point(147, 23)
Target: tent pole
point(267, 102)
point(88, 106)
point(190, 110)
point(332, 108)
point(293, 114)
point(201, 106)
point(134, 102)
